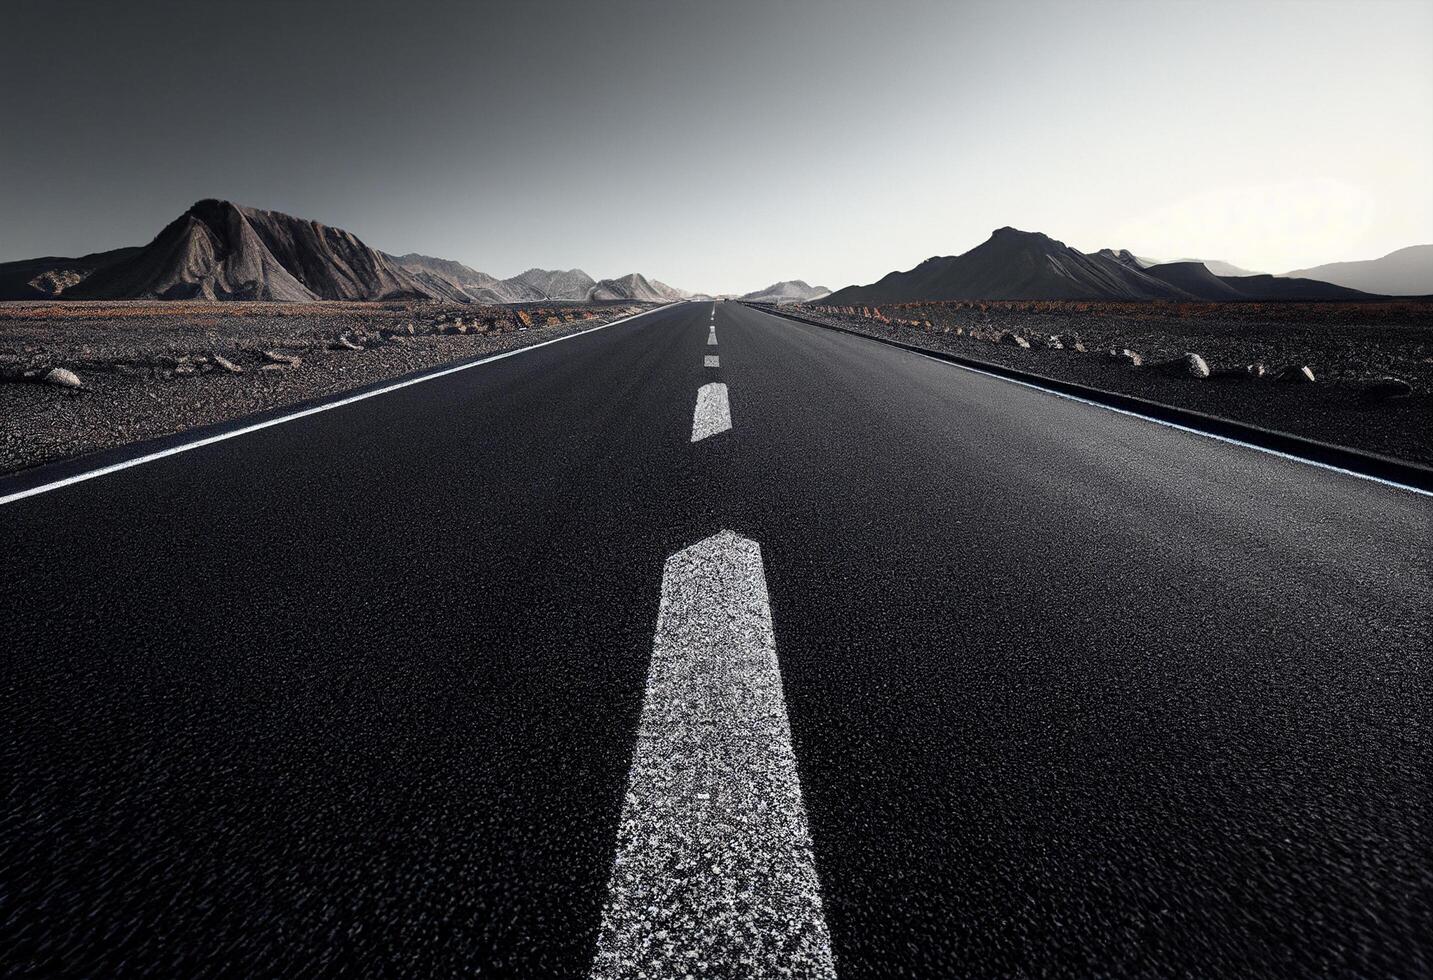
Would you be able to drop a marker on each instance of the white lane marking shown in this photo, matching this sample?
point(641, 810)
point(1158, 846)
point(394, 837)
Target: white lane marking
point(1186, 428)
point(714, 874)
point(711, 338)
point(327, 406)
point(711, 360)
point(713, 413)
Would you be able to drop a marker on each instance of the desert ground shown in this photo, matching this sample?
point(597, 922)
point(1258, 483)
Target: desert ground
point(147, 369)
point(1369, 383)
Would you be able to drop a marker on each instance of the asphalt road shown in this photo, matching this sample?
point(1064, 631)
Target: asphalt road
point(1069, 692)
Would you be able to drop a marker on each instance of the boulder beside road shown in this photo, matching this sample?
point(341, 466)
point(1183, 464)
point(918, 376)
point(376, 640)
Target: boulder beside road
point(1189, 365)
point(1385, 389)
point(63, 377)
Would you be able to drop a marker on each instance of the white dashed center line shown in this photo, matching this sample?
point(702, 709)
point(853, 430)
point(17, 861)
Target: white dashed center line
point(711, 360)
point(714, 874)
point(713, 414)
point(711, 338)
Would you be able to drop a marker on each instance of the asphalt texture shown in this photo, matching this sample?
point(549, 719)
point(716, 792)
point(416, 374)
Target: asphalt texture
point(1070, 692)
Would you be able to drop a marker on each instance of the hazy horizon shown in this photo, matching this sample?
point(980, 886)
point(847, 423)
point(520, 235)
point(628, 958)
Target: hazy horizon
point(723, 147)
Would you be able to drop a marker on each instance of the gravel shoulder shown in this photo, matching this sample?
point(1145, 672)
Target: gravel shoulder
point(150, 369)
point(1350, 350)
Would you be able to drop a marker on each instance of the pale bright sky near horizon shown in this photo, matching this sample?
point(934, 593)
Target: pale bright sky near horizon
point(722, 146)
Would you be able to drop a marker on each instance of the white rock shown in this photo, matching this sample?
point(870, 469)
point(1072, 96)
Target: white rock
point(1191, 365)
point(63, 377)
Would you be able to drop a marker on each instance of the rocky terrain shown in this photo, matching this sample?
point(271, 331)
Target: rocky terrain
point(78, 377)
point(1354, 374)
point(1027, 265)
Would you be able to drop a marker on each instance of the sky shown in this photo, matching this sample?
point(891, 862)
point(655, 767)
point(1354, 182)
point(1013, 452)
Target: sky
point(723, 146)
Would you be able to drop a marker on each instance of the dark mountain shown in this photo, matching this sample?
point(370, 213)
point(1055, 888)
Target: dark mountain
point(1124, 257)
point(1020, 265)
point(1406, 272)
point(48, 277)
point(1274, 289)
point(788, 291)
point(1217, 266)
point(1194, 279)
point(1013, 265)
point(220, 250)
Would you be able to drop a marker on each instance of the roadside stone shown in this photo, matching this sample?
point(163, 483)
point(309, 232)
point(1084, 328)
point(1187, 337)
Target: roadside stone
point(284, 360)
point(1190, 365)
point(1385, 389)
point(273, 367)
point(62, 377)
point(343, 342)
point(1300, 374)
point(1014, 340)
point(1125, 356)
point(1053, 342)
point(227, 364)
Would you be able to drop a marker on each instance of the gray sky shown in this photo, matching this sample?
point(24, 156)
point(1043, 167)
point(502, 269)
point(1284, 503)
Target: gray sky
point(724, 145)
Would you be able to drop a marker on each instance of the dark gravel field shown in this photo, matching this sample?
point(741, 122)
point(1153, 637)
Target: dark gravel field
point(1351, 351)
point(148, 369)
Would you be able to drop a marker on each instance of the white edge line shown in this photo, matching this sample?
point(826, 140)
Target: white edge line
point(312, 410)
point(1182, 428)
point(1149, 418)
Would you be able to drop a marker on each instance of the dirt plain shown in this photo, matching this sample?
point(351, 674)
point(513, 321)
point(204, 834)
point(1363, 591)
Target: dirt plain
point(1349, 348)
point(148, 369)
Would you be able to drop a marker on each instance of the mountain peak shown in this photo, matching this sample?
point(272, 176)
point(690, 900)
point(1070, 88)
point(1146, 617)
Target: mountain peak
point(221, 250)
point(1016, 233)
point(788, 291)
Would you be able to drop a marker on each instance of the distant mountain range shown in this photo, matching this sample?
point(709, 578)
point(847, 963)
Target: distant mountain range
point(787, 291)
point(1406, 272)
point(1216, 266)
point(459, 283)
point(47, 277)
point(218, 250)
point(1025, 265)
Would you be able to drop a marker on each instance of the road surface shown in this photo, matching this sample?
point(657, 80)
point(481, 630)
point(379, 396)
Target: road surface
point(709, 641)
